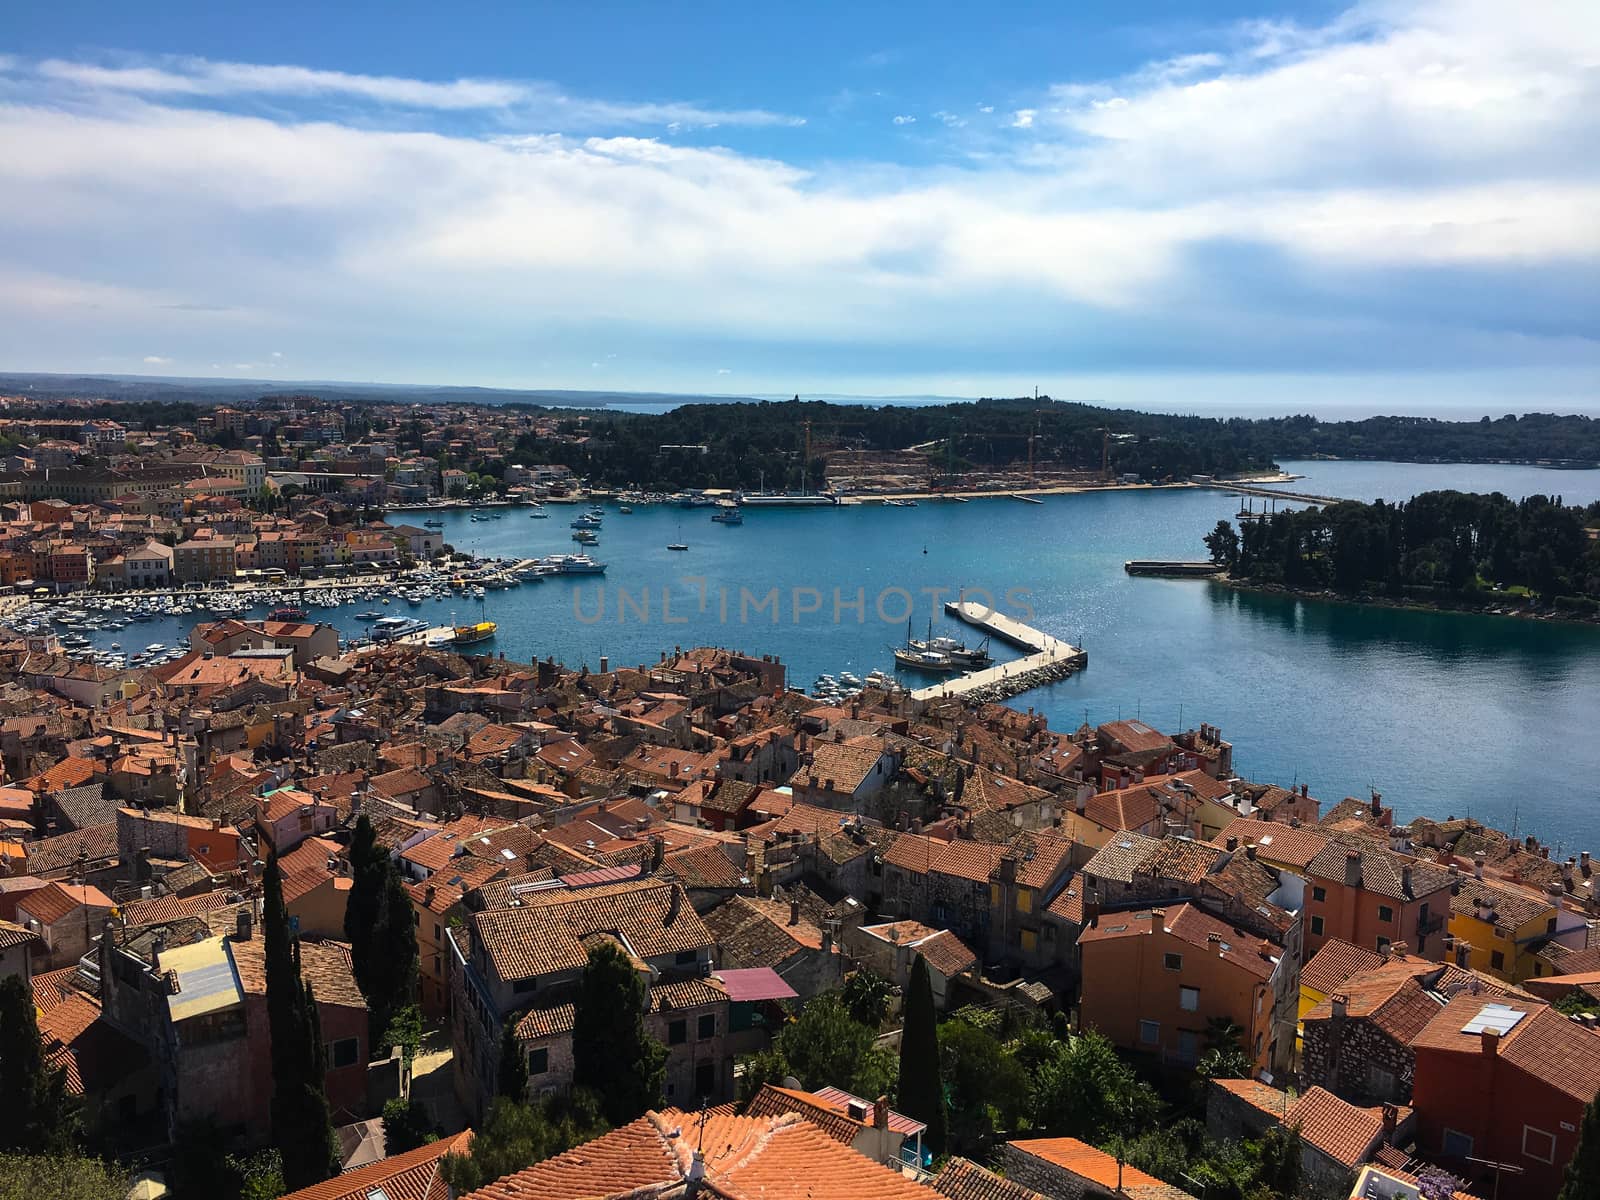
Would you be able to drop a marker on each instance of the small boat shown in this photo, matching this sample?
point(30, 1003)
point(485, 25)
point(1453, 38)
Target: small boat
point(287, 612)
point(678, 546)
point(586, 536)
point(934, 662)
point(538, 514)
point(625, 509)
point(434, 523)
point(729, 516)
point(369, 615)
point(478, 631)
point(587, 521)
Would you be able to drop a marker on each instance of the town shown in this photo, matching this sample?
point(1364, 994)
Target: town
point(282, 915)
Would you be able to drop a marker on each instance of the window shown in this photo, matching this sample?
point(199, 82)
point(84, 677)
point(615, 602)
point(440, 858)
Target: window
point(994, 895)
point(1550, 925)
point(1172, 962)
point(705, 1079)
point(1538, 1144)
point(1189, 999)
point(438, 932)
point(538, 1061)
point(1385, 914)
point(1150, 1032)
point(1025, 900)
point(1030, 941)
point(1497, 960)
point(1456, 1145)
point(677, 1033)
point(685, 957)
point(522, 986)
point(706, 1027)
point(343, 1053)
point(1319, 894)
point(1383, 945)
point(1316, 926)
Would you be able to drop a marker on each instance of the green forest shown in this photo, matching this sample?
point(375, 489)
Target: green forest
point(1453, 546)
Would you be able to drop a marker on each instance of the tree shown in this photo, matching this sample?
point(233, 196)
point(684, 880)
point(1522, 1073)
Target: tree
point(516, 1135)
point(405, 1125)
point(921, 1090)
point(1080, 1088)
point(36, 1114)
point(391, 986)
point(613, 1054)
point(512, 1077)
point(986, 1088)
point(1581, 1181)
point(302, 1128)
point(1223, 543)
point(58, 1177)
point(367, 878)
point(866, 995)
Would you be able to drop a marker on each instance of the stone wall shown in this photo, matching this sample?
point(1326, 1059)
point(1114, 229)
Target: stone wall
point(1341, 1054)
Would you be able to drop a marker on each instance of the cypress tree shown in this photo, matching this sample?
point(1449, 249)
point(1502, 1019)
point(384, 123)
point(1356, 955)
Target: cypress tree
point(1582, 1178)
point(302, 1128)
point(391, 983)
point(613, 1054)
point(367, 863)
point(921, 1091)
point(512, 1077)
point(36, 1115)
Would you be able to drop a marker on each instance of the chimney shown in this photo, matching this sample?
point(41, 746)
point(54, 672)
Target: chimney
point(674, 903)
point(1008, 868)
point(157, 946)
point(1305, 791)
point(241, 926)
point(1233, 844)
point(1491, 1042)
point(1352, 868)
point(1405, 881)
point(1377, 803)
point(1391, 1117)
point(605, 664)
point(428, 894)
point(880, 1113)
point(1477, 864)
point(794, 911)
point(1340, 1003)
point(1250, 852)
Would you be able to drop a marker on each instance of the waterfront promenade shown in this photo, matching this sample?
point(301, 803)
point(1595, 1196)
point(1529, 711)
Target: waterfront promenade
point(1050, 659)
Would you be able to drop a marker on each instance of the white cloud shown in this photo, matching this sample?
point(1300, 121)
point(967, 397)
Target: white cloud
point(277, 354)
point(155, 360)
point(950, 119)
point(905, 120)
point(986, 108)
point(1313, 191)
point(187, 77)
point(724, 371)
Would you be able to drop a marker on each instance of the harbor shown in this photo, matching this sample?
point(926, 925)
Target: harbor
point(1049, 659)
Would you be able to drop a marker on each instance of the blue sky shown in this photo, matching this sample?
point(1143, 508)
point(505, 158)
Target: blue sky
point(1248, 205)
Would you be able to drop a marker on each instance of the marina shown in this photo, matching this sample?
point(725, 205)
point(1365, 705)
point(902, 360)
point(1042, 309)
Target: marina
point(1050, 659)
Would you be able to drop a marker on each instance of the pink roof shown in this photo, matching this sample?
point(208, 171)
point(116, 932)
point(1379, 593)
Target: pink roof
point(602, 875)
point(840, 1099)
point(755, 983)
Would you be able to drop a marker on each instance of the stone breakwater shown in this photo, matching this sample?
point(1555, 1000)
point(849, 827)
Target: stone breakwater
point(1051, 660)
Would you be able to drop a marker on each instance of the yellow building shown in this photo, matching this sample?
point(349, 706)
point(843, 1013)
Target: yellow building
point(1498, 928)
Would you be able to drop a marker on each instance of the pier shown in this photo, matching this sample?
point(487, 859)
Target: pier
point(1170, 569)
point(1050, 659)
point(1272, 493)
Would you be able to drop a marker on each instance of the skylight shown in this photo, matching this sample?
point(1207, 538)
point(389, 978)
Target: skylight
point(1497, 1018)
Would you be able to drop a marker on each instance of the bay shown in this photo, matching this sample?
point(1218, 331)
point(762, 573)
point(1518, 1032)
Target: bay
point(1445, 714)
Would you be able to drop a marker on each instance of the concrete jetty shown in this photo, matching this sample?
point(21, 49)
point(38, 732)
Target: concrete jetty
point(1051, 659)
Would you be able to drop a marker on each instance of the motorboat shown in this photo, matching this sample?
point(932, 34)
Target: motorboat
point(729, 516)
point(677, 546)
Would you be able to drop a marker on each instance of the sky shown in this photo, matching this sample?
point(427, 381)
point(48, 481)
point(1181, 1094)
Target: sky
point(1238, 204)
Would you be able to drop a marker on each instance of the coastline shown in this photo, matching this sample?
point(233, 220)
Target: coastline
point(1329, 596)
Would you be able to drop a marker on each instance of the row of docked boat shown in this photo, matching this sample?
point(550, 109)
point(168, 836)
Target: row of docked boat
point(941, 655)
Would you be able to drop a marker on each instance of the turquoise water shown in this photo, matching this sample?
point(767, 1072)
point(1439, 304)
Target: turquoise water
point(1446, 714)
point(1391, 481)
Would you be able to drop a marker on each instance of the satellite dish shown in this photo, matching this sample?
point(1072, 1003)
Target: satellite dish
point(793, 1084)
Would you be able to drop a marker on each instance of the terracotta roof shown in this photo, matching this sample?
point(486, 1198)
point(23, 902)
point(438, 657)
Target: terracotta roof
point(1336, 962)
point(963, 1179)
point(1543, 1043)
point(947, 954)
point(545, 934)
point(15, 935)
point(1391, 997)
point(1275, 841)
point(773, 1101)
point(1381, 870)
point(1191, 925)
point(1260, 1096)
point(1337, 1128)
point(1098, 1167)
point(746, 1158)
point(325, 966)
point(55, 900)
point(413, 1175)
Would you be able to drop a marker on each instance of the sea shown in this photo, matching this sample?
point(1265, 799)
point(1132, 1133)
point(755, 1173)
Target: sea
point(1444, 714)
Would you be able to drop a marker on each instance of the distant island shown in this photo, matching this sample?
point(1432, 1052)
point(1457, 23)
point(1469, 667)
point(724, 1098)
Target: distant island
point(796, 445)
point(1451, 549)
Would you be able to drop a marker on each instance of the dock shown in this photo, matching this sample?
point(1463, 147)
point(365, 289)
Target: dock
point(1273, 493)
point(1049, 659)
point(1171, 570)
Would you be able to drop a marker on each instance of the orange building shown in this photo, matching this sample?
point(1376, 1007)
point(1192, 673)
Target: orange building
point(1371, 897)
point(1153, 979)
